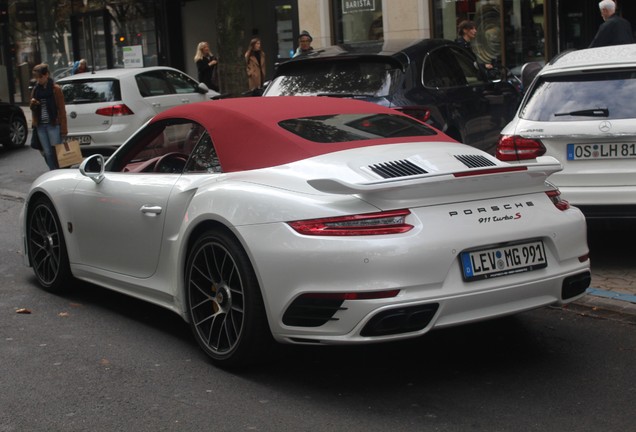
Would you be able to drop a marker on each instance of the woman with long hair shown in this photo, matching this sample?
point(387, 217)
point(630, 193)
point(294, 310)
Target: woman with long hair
point(207, 65)
point(255, 64)
point(48, 113)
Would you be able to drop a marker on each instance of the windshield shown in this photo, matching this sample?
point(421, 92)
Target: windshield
point(581, 97)
point(336, 78)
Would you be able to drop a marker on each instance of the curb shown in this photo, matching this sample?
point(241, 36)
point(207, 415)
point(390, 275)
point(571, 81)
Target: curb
point(605, 304)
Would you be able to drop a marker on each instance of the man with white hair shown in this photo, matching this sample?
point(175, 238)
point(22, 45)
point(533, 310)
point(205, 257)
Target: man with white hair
point(615, 30)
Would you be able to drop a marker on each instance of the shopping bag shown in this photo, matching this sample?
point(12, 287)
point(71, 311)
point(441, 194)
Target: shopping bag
point(68, 153)
point(35, 140)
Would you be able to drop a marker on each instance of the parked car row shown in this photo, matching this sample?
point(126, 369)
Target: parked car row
point(578, 109)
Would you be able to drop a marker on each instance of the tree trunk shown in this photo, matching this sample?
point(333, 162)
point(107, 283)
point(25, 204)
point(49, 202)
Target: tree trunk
point(230, 31)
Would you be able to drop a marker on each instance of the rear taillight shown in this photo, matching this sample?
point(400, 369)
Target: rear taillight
point(514, 148)
point(114, 110)
point(389, 222)
point(557, 200)
point(422, 114)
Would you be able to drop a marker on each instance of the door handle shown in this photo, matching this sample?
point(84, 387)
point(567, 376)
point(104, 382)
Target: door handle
point(185, 100)
point(151, 210)
point(156, 105)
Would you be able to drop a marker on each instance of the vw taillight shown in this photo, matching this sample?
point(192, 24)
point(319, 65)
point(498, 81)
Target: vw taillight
point(114, 110)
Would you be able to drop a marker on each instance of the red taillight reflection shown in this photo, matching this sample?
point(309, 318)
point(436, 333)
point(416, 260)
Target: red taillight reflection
point(557, 200)
point(368, 295)
point(514, 148)
point(419, 113)
point(389, 222)
point(500, 170)
point(114, 110)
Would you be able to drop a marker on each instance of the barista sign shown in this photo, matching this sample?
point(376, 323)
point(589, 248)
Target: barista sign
point(353, 6)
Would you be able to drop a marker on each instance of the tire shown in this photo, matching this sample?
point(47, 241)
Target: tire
point(17, 132)
point(47, 249)
point(224, 301)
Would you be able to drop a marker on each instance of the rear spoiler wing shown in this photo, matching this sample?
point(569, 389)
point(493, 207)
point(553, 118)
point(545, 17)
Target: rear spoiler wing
point(478, 181)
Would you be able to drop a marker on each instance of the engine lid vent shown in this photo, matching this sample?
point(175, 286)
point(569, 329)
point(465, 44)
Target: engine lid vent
point(475, 161)
point(401, 168)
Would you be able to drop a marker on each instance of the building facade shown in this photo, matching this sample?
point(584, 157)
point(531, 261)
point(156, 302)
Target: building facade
point(166, 32)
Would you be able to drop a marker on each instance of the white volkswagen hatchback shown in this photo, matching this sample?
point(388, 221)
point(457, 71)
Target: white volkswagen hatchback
point(106, 107)
point(580, 109)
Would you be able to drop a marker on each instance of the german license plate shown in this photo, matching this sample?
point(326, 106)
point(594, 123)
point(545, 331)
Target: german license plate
point(503, 260)
point(601, 151)
point(83, 139)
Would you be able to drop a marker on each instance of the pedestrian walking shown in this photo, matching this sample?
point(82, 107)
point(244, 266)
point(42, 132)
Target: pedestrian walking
point(615, 30)
point(255, 64)
point(207, 65)
point(48, 113)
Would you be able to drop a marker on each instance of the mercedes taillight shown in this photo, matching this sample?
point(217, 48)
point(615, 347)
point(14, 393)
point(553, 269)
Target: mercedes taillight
point(516, 148)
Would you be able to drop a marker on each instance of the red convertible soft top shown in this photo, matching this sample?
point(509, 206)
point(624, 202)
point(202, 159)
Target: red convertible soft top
point(247, 136)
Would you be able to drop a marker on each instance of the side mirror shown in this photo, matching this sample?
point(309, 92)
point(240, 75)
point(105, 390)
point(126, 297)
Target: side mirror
point(93, 168)
point(202, 88)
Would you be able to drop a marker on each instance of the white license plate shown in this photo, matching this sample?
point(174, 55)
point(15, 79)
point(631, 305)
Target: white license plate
point(503, 260)
point(83, 139)
point(601, 151)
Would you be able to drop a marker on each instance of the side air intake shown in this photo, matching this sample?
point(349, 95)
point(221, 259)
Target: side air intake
point(402, 168)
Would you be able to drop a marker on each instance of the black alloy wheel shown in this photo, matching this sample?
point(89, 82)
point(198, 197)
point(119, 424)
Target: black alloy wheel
point(224, 301)
point(18, 132)
point(47, 248)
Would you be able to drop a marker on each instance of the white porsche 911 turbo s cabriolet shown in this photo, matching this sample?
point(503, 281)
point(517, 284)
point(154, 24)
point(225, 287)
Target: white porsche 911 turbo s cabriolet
point(307, 220)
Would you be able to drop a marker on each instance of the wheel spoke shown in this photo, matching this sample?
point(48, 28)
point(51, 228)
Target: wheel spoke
point(216, 297)
point(44, 242)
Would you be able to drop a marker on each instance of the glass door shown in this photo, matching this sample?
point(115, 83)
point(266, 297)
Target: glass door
point(286, 22)
point(92, 39)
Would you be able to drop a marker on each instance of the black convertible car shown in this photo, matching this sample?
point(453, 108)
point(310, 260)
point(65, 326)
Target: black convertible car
point(13, 126)
point(434, 80)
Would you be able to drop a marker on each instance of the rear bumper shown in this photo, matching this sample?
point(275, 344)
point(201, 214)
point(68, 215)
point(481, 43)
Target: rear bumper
point(398, 321)
point(602, 202)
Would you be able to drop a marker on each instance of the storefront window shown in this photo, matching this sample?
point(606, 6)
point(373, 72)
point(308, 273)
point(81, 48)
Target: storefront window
point(358, 20)
point(61, 32)
point(24, 45)
point(509, 32)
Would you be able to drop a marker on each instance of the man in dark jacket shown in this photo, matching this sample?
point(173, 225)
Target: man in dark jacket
point(615, 30)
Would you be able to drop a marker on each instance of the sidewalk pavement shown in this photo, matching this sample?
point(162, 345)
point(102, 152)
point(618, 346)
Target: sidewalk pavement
point(612, 295)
